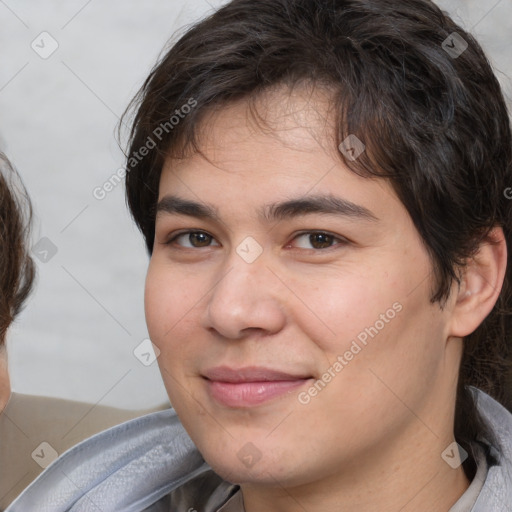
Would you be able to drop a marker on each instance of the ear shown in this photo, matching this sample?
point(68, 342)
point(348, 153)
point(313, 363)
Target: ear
point(480, 286)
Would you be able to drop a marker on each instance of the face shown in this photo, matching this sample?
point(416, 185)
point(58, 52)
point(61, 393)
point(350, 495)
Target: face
point(289, 299)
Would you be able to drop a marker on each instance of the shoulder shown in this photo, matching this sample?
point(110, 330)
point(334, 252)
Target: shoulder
point(496, 493)
point(127, 467)
point(499, 419)
point(29, 424)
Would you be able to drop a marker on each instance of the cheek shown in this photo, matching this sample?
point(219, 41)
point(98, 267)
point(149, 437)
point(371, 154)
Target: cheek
point(343, 307)
point(172, 300)
point(378, 322)
point(165, 310)
point(166, 298)
point(389, 348)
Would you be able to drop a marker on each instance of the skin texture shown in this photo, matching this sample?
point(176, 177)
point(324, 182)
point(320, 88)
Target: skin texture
point(5, 385)
point(372, 438)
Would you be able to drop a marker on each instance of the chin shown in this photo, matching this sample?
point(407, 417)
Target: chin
point(249, 465)
point(260, 474)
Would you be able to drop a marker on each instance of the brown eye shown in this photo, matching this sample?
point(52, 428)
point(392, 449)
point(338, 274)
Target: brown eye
point(317, 240)
point(192, 239)
point(321, 240)
point(199, 239)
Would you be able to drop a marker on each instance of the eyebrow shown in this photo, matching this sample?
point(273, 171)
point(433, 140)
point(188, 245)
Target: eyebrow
point(323, 204)
point(326, 204)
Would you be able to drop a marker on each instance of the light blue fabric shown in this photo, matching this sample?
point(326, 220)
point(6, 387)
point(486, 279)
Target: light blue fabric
point(125, 468)
point(496, 493)
point(134, 467)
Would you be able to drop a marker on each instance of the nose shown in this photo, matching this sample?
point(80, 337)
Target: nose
point(246, 298)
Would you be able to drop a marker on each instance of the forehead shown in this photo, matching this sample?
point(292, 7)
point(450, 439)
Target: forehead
point(300, 118)
point(280, 143)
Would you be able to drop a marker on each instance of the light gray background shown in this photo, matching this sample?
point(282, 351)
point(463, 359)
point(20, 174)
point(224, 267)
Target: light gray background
point(57, 120)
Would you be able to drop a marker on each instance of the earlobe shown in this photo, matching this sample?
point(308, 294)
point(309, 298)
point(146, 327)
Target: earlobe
point(480, 286)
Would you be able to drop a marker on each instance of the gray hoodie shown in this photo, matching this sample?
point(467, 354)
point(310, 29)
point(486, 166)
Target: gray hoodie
point(150, 464)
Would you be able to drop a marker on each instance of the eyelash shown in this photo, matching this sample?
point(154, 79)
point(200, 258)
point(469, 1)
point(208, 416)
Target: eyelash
point(342, 241)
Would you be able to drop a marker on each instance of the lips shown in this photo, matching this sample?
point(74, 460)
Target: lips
point(250, 386)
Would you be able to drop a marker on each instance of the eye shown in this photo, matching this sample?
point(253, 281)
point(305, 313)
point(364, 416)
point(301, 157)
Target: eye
point(318, 240)
point(195, 239)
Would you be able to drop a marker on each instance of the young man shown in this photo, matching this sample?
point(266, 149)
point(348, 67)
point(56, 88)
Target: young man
point(322, 188)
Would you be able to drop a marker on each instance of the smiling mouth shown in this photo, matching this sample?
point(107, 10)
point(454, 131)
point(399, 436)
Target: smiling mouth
point(250, 386)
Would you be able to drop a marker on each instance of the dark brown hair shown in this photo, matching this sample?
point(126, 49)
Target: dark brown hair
point(434, 123)
point(16, 266)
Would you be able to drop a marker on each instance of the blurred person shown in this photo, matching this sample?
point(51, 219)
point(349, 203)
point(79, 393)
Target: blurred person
point(321, 189)
point(17, 269)
point(27, 421)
